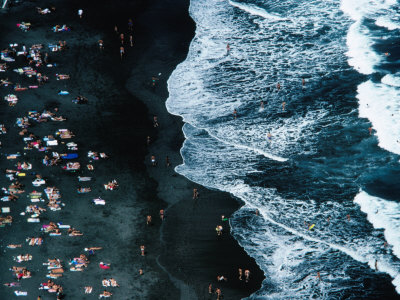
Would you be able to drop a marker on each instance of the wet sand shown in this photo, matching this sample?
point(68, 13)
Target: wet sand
point(183, 251)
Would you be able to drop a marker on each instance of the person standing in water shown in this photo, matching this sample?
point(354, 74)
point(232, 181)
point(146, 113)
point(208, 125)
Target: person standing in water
point(283, 105)
point(303, 82)
point(278, 86)
point(262, 104)
point(234, 114)
point(228, 49)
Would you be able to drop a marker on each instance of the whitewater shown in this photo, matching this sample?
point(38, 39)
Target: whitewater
point(301, 155)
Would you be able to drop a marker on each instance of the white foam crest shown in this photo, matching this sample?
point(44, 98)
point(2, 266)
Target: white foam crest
point(358, 9)
point(384, 21)
point(382, 214)
point(255, 10)
point(379, 103)
point(390, 79)
point(361, 55)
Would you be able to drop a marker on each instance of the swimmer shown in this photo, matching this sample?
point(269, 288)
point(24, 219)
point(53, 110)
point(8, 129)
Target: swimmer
point(269, 136)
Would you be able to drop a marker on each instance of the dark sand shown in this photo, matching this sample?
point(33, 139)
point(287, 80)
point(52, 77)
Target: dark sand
point(116, 122)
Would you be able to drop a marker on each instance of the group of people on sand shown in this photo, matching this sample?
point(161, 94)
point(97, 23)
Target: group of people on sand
point(30, 63)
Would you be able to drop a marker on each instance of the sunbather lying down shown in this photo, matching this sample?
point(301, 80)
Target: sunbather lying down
point(112, 185)
point(44, 11)
point(20, 258)
point(80, 100)
point(105, 294)
point(59, 28)
point(62, 76)
point(83, 190)
point(34, 241)
point(74, 232)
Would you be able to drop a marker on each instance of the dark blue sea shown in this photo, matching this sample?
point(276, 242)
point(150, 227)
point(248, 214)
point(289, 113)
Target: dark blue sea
point(319, 160)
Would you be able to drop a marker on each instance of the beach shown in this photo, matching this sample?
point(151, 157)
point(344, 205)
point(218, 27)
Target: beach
point(183, 253)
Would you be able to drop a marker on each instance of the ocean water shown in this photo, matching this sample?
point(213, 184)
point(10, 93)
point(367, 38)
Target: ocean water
point(301, 155)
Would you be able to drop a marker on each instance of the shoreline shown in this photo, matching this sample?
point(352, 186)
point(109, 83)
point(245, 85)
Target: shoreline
point(201, 255)
point(112, 128)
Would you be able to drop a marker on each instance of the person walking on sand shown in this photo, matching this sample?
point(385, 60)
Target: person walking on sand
point(131, 40)
point(210, 289)
point(167, 161)
point(101, 45)
point(130, 25)
point(247, 275)
point(80, 13)
point(162, 214)
point(116, 29)
point(148, 220)
point(240, 274)
point(142, 250)
point(121, 36)
point(195, 194)
point(153, 161)
point(219, 293)
point(121, 51)
point(155, 122)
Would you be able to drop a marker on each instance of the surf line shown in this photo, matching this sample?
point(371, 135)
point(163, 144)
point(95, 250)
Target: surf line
point(252, 149)
point(363, 259)
point(255, 10)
